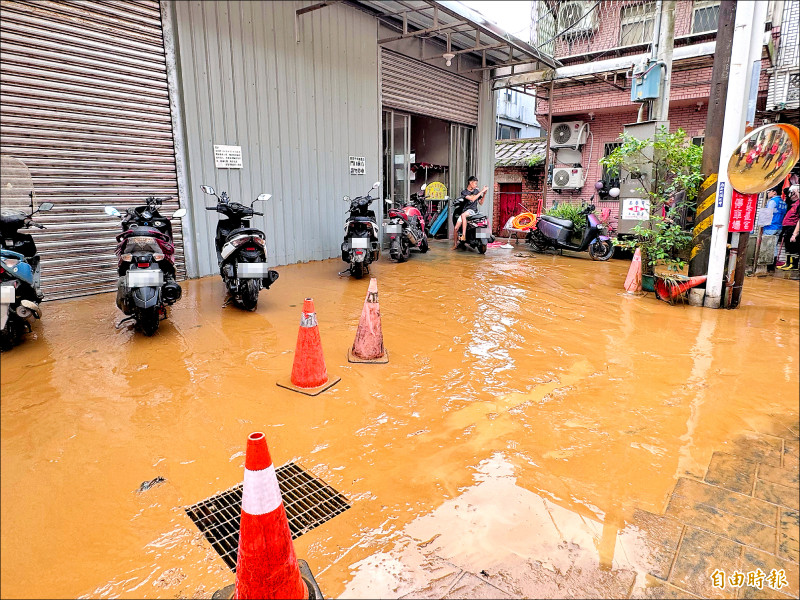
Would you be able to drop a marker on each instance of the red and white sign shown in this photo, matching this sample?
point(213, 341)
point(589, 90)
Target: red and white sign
point(743, 212)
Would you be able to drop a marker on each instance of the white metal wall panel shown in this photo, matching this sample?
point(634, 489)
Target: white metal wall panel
point(85, 104)
point(414, 86)
point(297, 110)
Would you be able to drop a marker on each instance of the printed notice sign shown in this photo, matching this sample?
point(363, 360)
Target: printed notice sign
point(228, 157)
point(721, 194)
point(636, 209)
point(743, 211)
point(358, 165)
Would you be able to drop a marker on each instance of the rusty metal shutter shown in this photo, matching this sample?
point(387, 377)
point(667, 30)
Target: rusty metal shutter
point(417, 87)
point(85, 105)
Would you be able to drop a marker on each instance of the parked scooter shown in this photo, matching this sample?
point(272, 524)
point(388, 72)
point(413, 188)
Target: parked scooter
point(552, 232)
point(241, 250)
point(20, 274)
point(146, 265)
point(406, 229)
point(361, 245)
point(478, 234)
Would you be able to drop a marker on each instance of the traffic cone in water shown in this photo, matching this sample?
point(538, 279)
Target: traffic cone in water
point(309, 375)
point(266, 564)
point(667, 290)
point(368, 345)
point(633, 282)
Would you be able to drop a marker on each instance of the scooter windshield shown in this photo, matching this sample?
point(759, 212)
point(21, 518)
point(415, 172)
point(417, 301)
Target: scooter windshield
point(16, 186)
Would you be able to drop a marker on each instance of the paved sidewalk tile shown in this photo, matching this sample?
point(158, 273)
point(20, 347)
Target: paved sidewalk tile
point(777, 494)
point(753, 559)
point(472, 586)
point(759, 447)
point(701, 553)
point(731, 472)
point(595, 582)
point(789, 535)
point(660, 536)
point(759, 594)
point(657, 589)
point(435, 588)
point(791, 454)
point(732, 502)
point(726, 524)
point(782, 476)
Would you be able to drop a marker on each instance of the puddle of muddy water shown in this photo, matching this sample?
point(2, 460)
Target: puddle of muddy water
point(524, 395)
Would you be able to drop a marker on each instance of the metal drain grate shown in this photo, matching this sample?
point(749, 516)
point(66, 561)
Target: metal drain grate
point(308, 501)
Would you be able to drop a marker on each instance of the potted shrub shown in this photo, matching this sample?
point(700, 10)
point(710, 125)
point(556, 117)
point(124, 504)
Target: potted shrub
point(671, 189)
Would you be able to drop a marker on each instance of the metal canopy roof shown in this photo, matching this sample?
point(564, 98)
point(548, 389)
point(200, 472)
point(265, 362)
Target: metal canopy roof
point(461, 29)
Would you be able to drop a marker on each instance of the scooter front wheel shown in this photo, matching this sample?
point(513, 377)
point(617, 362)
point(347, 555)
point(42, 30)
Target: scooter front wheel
point(601, 250)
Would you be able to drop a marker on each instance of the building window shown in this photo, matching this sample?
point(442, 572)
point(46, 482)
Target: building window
point(510, 97)
point(636, 24)
point(609, 181)
point(506, 132)
point(793, 91)
point(699, 140)
point(705, 14)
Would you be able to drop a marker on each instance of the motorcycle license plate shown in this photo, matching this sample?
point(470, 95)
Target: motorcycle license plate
point(144, 278)
point(252, 270)
point(7, 294)
point(359, 243)
point(393, 229)
point(482, 234)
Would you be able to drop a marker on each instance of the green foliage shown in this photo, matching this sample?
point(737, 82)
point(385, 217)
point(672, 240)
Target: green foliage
point(569, 212)
point(535, 160)
point(675, 167)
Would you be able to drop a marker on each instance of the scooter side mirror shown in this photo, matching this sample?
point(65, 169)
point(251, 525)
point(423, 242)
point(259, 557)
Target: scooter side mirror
point(346, 198)
point(376, 185)
point(111, 211)
point(45, 206)
point(181, 212)
point(264, 197)
point(208, 190)
point(424, 185)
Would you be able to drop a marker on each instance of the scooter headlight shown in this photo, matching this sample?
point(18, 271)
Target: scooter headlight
point(11, 262)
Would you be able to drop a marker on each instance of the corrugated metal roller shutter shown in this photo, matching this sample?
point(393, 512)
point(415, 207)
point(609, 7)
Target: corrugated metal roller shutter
point(414, 86)
point(85, 104)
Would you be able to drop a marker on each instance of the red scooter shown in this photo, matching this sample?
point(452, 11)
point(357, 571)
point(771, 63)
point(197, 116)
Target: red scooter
point(406, 229)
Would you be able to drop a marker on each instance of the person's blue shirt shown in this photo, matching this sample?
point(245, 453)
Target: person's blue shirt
point(778, 207)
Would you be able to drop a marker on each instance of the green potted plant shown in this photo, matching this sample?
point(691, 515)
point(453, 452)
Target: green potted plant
point(673, 164)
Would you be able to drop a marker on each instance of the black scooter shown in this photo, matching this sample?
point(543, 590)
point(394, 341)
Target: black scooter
point(241, 250)
point(478, 234)
point(361, 245)
point(146, 266)
point(552, 232)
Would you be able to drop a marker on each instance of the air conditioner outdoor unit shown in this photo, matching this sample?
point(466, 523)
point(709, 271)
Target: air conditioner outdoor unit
point(569, 134)
point(567, 178)
point(577, 17)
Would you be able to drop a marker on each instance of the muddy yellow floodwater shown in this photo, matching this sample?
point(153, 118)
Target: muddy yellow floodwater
point(529, 407)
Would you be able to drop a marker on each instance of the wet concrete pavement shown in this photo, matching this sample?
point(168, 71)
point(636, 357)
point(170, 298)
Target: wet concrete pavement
point(530, 413)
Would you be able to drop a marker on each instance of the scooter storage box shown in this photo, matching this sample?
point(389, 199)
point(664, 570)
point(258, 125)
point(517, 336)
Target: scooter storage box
point(554, 231)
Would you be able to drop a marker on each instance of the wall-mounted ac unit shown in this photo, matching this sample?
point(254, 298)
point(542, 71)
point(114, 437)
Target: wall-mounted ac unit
point(567, 179)
point(576, 18)
point(569, 134)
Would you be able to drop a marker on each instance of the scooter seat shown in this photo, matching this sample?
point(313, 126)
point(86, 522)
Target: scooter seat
point(556, 221)
point(476, 217)
point(363, 219)
point(246, 230)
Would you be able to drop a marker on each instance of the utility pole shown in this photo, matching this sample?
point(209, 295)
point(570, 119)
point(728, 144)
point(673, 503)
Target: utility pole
point(735, 109)
point(666, 43)
point(754, 74)
point(698, 263)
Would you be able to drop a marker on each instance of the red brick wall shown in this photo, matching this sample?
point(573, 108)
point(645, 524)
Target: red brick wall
point(532, 182)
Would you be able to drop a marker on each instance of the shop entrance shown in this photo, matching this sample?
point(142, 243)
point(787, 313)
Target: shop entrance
point(419, 150)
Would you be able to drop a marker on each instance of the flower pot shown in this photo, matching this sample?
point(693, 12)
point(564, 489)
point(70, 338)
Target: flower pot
point(648, 283)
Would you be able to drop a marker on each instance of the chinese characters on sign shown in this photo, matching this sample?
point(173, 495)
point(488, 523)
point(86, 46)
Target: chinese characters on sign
point(636, 208)
point(743, 212)
point(775, 580)
point(357, 165)
point(228, 157)
point(721, 194)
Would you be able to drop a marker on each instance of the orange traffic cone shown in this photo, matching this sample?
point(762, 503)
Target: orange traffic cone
point(368, 345)
point(309, 375)
point(667, 290)
point(633, 282)
point(266, 564)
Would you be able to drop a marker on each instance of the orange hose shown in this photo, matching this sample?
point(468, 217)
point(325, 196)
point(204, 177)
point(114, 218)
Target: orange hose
point(524, 221)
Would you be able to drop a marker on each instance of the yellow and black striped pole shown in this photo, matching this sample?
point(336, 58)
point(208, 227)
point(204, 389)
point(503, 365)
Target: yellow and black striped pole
point(706, 197)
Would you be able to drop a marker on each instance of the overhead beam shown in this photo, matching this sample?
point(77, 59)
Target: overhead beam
point(420, 32)
point(468, 50)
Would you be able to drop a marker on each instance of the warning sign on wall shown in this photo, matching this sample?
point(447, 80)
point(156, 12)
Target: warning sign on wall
point(635, 209)
point(228, 157)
